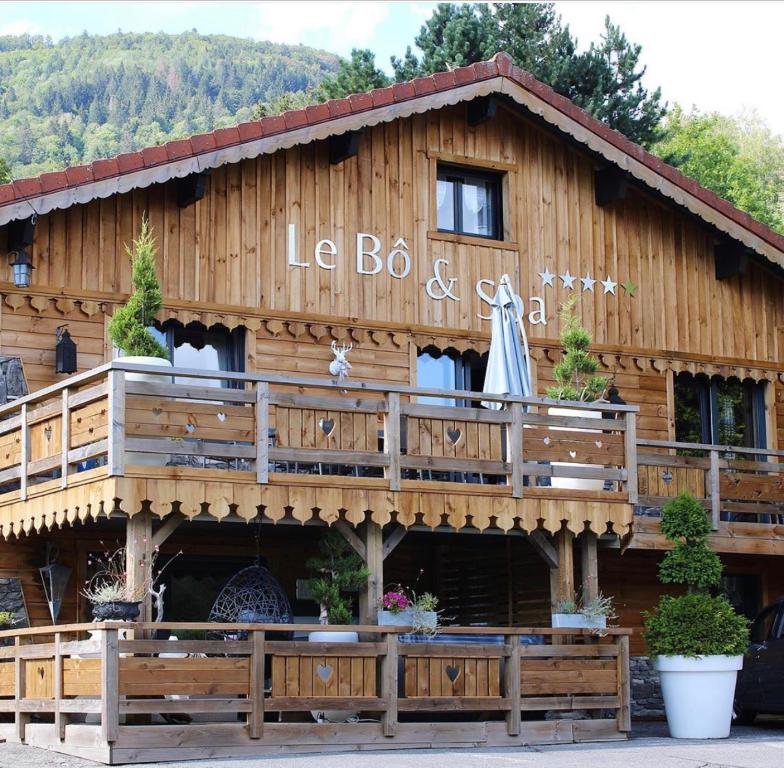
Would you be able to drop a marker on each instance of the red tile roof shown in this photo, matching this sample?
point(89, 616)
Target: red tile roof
point(500, 65)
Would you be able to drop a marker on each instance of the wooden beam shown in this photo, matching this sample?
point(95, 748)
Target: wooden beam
point(350, 535)
point(256, 715)
point(138, 557)
point(369, 598)
point(590, 565)
point(564, 541)
point(169, 526)
point(110, 685)
point(344, 146)
point(539, 541)
point(393, 539)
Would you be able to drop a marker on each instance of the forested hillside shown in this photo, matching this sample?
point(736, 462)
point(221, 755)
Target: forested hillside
point(96, 96)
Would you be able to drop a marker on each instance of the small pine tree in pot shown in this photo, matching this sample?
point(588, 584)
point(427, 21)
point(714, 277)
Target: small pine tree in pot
point(697, 640)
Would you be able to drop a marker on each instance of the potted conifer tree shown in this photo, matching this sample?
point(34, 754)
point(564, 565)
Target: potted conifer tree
point(697, 640)
point(576, 380)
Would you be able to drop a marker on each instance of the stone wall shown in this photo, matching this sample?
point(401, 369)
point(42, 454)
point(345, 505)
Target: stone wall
point(645, 688)
point(11, 599)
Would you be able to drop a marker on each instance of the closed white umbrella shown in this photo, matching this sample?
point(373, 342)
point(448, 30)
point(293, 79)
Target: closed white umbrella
point(508, 364)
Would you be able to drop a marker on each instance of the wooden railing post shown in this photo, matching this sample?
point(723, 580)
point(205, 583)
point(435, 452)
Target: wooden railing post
point(389, 683)
point(24, 452)
point(65, 438)
point(110, 685)
point(631, 457)
point(512, 685)
point(20, 718)
point(623, 717)
point(515, 449)
point(60, 719)
point(116, 450)
point(262, 432)
point(256, 714)
point(392, 439)
point(715, 489)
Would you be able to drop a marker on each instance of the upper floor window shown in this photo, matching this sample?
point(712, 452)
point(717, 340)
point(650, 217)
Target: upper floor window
point(469, 202)
point(449, 369)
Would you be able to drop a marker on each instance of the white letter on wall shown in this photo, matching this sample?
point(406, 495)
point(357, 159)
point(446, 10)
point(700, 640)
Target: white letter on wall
point(293, 248)
point(483, 296)
point(373, 253)
point(325, 248)
point(400, 248)
point(537, 316)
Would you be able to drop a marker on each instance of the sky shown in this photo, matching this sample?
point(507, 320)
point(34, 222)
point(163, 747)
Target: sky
point(723, 56)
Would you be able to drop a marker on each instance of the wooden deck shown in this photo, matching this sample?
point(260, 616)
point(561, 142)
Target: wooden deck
point(252, 693)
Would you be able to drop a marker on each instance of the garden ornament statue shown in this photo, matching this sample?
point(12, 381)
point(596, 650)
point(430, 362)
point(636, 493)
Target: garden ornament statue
point(340, 367)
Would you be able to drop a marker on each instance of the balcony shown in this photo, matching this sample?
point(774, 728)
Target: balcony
point(245, 689)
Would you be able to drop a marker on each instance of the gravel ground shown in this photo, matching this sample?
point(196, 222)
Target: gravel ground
point(759, 747)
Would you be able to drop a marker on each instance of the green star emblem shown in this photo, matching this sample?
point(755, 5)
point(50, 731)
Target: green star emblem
point(629, 287)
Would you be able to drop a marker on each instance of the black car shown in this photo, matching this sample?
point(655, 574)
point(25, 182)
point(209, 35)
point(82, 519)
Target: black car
point(760, 688)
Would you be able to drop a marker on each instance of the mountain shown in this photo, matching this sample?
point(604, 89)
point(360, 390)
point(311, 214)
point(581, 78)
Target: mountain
point(96, 96)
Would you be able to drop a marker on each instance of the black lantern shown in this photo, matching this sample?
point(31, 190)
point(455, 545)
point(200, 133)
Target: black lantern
point(65, 351)
point(55, 580)
point(23, 268)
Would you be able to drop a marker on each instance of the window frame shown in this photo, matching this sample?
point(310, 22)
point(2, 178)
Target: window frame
point(494, 181)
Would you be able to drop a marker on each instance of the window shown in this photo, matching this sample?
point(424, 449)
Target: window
point(719, 411)
point(469, 202)
point(449, 369)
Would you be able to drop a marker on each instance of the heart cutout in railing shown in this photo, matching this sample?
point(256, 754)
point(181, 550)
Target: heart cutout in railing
point(452, 673)
point(454, 435)
point(573, 454)
point(48, 433)
point(190, 428)
point(325, 672)
point(157, 411)
point(327, 426)
point(546, 440)
point(41, 673)
point(598, 443)
point(221, 416)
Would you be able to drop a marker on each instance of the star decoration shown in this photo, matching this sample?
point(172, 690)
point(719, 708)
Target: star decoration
point(568, 280)
point(547, 277)
point(629, 287)
point(609, 285)
point(588, 282)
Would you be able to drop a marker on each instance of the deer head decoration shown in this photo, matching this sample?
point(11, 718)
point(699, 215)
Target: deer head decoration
point(340, 367)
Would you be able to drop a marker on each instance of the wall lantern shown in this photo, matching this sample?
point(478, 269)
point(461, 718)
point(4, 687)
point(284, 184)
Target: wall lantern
point(55, 580)
point(65, 351)
point(23, 268)
point(667, 476)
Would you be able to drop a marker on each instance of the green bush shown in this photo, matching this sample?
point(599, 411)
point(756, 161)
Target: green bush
point(129, 324)
point(694, 624)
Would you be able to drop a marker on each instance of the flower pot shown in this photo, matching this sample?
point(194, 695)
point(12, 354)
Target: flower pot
point(332, 715)
point(575, 483)
point(698, 694)
point(139, 457)
point(410, 617)
point(578, 621)
point(117, 610)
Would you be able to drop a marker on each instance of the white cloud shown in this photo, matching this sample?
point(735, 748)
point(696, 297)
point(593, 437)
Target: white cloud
point(336, 26)
point(20, 27)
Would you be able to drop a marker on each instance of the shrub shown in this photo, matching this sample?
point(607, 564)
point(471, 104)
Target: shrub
point(575, 373)
point(129, 324)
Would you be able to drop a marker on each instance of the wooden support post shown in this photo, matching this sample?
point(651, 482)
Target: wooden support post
point(60, 718)
point(564, 575)
point(24, 452)
point(392, 439)
point(715, 490)
point(393, 539)
point(256, 714)
point(514, 449)
point(590, 565)
point(20, 718)
point(389, 683)
point(623, 717)
point(110, 685)
point(138, 557)
point(630, 438)
point(374, 560)
point(512, 684)
point(65, 438)
point(169, 526)
point(262, 432)
point(116, 449)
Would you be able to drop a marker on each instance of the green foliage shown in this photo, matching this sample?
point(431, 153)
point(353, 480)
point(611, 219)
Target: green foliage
point(339, 569)
point(284, 102)
point(575, 373)
point(357, 75)
point(96, 96)
point(6, 619)
point(605, 80)
point(738, 158)
point(129, 324)
point(5, 172)
point(695, 625)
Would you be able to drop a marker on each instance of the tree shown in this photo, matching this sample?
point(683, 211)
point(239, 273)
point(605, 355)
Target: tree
point(606, 80)
point(739, 158)
point(5, 172)
point(357, 75)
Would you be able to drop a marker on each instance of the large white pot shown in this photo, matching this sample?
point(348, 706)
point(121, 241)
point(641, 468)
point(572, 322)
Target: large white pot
point(408, 618)
point(333, 715)
point(138, 457)
point(575, 483)
point(578, 621)
point(698, 694)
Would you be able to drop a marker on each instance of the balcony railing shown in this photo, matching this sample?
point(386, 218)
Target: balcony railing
point(466, 686)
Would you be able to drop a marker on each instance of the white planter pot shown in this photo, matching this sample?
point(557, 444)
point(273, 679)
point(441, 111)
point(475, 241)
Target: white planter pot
point(698, 694)
point(578, 621)
point(408, 618)
point(138, 457)
point(333, 715)
point(575, 483)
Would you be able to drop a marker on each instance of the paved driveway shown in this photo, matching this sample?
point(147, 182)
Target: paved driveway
point(758, 747)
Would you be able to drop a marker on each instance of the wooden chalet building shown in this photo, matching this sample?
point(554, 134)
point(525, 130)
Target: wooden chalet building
point(382, 221)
